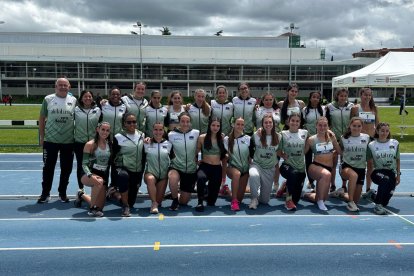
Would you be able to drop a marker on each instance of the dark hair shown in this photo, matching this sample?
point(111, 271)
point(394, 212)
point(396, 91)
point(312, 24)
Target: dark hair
point(207, 140)
point(379, 126)
point(318, 107)
point(153, 92)
point(185, 113)
point(275, 138)
point(96, 137)
point(80, 102)
point(138, 83)
point(339, 91)
point(348, 130)
point(222, 86)
point(171, 95)
point(125, 116)
point(274, 104)
point(243, 83)
point(231, 136)
point(164, 135)
point(283, 111)
point(371, 103)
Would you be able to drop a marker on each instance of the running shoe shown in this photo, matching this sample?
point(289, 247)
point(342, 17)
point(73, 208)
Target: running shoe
point(43, 199)
point(64, 198)
point(351, 206)
point(126, 212)
point(199, 207)
point(110, 192)
point(225, 191)
point(290, 206)
point(174, 205)
point(235, 205)
point(380, 210)
point(370, 194)
point(154, 208)
point(281, 192)
point(79, 199)
point(338, 193)
point(253, 204)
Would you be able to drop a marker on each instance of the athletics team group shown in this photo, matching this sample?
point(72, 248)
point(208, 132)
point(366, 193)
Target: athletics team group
point(122, 139)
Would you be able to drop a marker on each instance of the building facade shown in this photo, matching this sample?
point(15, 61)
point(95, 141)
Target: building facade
point(31, 62)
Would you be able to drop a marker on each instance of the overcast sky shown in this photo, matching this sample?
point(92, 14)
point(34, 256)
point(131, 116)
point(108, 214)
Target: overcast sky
point(340, 26)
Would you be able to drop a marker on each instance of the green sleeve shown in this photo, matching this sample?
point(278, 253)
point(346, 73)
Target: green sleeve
point(43, 110)
point(85, 163)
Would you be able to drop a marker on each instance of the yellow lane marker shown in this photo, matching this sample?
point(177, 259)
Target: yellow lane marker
point(161, 217)
point(156, 246)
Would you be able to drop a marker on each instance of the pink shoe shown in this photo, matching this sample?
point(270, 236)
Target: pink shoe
point(225, 191)
point(235, 205)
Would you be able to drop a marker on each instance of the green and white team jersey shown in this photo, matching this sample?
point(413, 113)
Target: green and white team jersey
point(86, 121)
point(385, 154)
point(172, 118)
point(239, 157)
point(158, 158)
point(265, 156)
point(261, 111)
point(354, 150)
point(311, 115)
point(136, 106)
point(129, 150)
point(245, 109)
point(339, 117)
point(185, 149)
point(59, 113)
point(98, 160)
point(321, 147)
point(198, 119)
point(224, 112)
point(293, 145)
point(113, 115)
point(153, 115)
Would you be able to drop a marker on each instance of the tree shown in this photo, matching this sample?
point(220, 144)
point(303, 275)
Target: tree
point(165, 31)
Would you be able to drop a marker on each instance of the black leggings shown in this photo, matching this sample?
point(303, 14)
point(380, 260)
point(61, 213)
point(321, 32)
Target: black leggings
point(212, 174)
point(294, 181)
point(130, 182)
point(78, 149)
point(385, 179)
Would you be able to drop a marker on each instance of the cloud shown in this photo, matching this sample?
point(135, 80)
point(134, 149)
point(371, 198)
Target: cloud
point(343, 27)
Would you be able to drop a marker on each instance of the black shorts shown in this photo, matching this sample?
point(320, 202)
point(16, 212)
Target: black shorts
point(187, 181)
point(322, 165)
point(359, 172)
point(103, 174)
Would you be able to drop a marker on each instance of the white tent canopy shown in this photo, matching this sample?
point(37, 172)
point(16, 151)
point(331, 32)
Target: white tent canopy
point(395, 69)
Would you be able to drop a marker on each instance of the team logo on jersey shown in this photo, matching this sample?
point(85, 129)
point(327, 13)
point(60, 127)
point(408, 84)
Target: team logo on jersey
point(191, 137)
point(227, 108)
point(121, 110)
point(69, 104)
point(93, 112)
point(249, 103)
point(363, 141)
point(164, 147)
point(392, 147)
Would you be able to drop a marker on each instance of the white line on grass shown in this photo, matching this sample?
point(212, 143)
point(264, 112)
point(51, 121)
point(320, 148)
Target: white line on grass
point(204, 245)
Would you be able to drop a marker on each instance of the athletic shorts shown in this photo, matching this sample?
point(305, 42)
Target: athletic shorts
point(360, 172)
point(187, 181)
point(322, 165)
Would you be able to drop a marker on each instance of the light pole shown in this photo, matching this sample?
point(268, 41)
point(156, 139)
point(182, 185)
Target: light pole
point(139, 25)
point(291, 27)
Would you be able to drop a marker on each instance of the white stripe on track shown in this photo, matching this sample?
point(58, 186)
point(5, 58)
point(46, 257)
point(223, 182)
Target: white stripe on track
point(206, 245)
point(199, 217)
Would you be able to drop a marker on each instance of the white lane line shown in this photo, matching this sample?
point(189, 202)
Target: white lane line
point(205, 245)
point(198, 217)
point(395, 214)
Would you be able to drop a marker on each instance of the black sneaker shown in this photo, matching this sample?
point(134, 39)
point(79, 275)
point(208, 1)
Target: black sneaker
point(43, 199)
point(64, 198)
point(174, 205)
point(199, 207)
point(95, 212)
point(168, 196)
point(79, 199)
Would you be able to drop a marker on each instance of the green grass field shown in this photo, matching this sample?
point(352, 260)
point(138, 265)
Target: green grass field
point(24, 136)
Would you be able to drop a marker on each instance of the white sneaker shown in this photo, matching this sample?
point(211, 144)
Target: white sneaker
point(154, 208)
point(253, 204)
point(352, 207)
point(321, 205)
